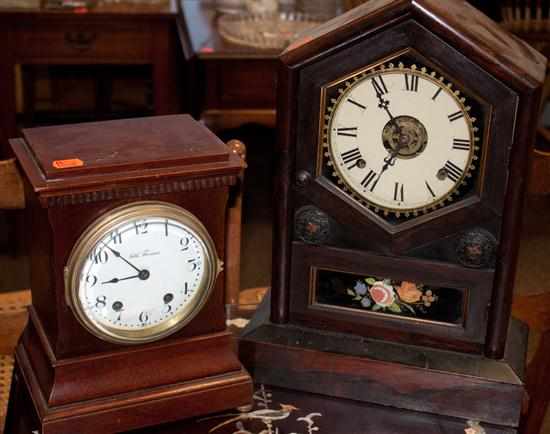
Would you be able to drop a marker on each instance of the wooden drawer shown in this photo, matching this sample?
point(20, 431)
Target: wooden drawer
point(84, 43)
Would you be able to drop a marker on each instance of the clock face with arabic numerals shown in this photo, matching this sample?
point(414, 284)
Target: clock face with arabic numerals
point(141, 272)
point(400, 139)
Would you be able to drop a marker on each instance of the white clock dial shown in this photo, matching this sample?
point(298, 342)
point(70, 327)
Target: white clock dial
point(143, 275)
point(400, 139)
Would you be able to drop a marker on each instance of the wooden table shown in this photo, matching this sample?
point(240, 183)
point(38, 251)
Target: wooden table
point(329, 415)
point(119, 34)
point(285, 411)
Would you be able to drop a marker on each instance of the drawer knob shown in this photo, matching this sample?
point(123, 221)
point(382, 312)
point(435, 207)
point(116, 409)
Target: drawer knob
point(81, 41)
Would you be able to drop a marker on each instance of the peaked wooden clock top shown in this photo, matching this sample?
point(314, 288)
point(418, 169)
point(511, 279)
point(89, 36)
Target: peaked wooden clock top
point(458, 21)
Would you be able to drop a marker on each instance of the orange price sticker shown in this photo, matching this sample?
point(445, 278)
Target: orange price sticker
point(67, 164)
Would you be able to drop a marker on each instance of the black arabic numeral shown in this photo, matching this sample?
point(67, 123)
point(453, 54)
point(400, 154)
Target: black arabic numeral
point(101, 301)
point(144, 317)
point(184, 243)
point(99, 256)
point(193, 264)
point(91, 280)
point(141, 227)
point(116, 237)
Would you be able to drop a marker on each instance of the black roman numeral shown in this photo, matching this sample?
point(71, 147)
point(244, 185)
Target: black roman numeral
point(368, 179)
point(361, 106)
point(437, 93)
point(454, 173)
point(350, 131)
point(411, 82)
point(463, 145)
point(399, 192)
point(430, 189)
point(379, 86)
point(455, 116)
point(351, 156)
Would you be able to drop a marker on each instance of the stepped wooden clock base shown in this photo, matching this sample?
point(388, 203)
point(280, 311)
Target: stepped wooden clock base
point(444, 383)
point(69, 396)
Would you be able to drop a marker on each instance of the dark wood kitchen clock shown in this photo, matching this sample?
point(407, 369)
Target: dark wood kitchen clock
point(404, 132)
point(127, 329)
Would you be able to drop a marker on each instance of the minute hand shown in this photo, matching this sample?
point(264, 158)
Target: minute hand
point(118, 255)
point(385, 104)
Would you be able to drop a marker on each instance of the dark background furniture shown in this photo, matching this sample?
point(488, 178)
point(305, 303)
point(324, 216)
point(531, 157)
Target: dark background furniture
point(118, 34)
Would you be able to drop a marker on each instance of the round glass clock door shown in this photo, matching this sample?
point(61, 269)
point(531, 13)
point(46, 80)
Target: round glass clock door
point(400, 139)
point(141, 272)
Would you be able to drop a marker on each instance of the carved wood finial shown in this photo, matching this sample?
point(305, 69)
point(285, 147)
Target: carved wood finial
point(237, 147)
point(12, 194)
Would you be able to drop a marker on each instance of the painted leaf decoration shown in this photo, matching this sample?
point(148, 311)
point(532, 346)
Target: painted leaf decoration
point(350, 292)
point(370, 280)
point(395, 308)
point(405, 305)
point(376, 307)
point(358, 298)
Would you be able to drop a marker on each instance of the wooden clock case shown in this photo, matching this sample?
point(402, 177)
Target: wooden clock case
point(77, 382)
point(451, 370)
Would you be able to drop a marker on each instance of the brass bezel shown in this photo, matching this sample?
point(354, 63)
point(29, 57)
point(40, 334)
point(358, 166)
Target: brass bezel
point(108, 222)
point(345, 84)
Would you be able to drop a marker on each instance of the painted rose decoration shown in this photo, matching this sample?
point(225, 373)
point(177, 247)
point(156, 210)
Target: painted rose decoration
point(382, 294)
point(390, 296)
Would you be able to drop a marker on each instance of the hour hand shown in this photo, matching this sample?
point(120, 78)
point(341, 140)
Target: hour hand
point(116, 279)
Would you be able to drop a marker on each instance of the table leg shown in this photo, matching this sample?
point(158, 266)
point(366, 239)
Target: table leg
point(165, 89)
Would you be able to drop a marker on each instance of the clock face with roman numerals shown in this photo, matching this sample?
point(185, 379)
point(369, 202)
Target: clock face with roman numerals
point(400, 139)
point(141, 273)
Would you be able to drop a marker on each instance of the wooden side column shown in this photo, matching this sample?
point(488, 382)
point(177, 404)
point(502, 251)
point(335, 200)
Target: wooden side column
point(234, 236)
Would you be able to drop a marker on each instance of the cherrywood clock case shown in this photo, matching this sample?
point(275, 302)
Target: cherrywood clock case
point(404, 133)
point(82, 379)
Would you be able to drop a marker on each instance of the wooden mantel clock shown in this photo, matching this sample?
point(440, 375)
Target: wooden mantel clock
point(404, 134)
point(127, 325)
